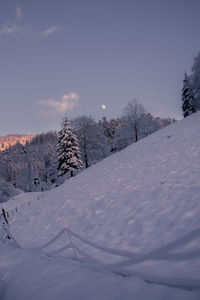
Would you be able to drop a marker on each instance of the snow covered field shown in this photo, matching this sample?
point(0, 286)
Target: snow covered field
point(142, 203)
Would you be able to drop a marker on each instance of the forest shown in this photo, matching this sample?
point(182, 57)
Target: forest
point(33, 165)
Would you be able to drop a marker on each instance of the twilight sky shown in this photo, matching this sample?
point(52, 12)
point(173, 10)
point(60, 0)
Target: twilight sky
point(72, 56)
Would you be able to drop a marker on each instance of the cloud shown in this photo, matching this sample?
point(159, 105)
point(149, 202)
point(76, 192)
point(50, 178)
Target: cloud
point(12, 30)
point(16, 29)
point(74, 96)
point(50, 31)
point(53, 107)
point(18, 12)
point(8, 29)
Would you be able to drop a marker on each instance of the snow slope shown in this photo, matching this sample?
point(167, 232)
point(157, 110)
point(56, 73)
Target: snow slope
point(138, 200)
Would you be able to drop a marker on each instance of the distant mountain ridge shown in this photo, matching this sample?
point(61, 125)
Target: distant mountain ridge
point(12, 139)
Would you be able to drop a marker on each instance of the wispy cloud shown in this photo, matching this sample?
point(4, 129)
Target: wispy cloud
point(12, 30)
point(8, 29)
point(15, 29)
point(50, 31)
point(18, 12)
point(53, 107)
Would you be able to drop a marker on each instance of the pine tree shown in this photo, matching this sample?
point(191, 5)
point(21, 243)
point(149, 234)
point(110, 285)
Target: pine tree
point(69, 156)
point(188, 102)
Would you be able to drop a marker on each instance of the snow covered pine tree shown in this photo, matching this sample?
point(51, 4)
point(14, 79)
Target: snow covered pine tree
point(188, 102)
point(69, 156)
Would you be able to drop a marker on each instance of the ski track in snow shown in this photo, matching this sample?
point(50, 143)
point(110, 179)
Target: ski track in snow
point(138, 200)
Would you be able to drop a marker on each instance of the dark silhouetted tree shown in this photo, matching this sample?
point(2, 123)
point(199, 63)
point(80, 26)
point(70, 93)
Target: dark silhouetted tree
point(195, 81)
point(188, 102)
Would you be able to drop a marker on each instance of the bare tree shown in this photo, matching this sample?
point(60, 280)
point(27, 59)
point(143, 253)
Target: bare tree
point(109, 129)
point(132, 114)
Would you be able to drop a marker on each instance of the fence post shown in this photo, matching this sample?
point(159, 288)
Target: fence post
point(4, 215)
point(70, 238)
point(6, 220)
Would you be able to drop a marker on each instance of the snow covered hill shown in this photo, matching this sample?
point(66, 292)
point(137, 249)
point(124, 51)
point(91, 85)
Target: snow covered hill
point(138, 200)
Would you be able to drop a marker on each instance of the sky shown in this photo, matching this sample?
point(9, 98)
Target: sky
point(69, 57)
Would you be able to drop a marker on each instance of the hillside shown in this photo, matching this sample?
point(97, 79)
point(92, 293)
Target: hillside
point(12, 139)
point(137, 200)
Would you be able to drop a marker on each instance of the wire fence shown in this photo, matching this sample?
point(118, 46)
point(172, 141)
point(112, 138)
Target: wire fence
point(7, 214)
point(10, 212)
point(121, 267)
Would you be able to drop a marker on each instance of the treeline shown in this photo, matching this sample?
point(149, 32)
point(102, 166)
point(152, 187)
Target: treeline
point(12, 139)
point(34, 166)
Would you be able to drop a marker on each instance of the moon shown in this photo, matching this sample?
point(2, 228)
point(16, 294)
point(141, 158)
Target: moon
point(103, 106)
